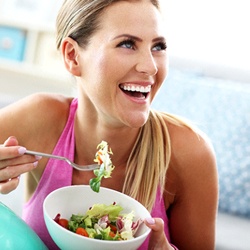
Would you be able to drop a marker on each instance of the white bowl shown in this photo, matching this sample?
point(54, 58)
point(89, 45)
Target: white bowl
point(77, 200)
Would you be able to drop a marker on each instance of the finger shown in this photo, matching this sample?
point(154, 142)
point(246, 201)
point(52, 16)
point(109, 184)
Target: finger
point(11, 141)
point(11, 149)
point(8, 186)
point(156, 224)
point(11, 172)
point(7, 152)
point(157, 237)
point(20, 160)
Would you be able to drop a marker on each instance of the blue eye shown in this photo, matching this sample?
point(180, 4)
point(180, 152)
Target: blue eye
point(160, 46)
point(128, 44)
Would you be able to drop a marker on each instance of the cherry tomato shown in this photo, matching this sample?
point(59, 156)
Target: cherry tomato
point(111, 234)
point(64, 223)
point(82, 231)
point(113, 228)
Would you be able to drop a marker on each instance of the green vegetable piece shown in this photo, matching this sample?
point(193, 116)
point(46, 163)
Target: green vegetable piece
point(88, 222)
point(105, 233)
point(98, 237)
point(99, 210)
point(76, 221)
point(91, 232)
point(95, 184)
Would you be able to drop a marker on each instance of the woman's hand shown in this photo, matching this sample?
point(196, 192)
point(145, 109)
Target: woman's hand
point(158, 239)
point(13, 163)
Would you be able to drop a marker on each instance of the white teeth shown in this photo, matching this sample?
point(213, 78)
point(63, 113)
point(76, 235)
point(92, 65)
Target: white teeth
point(137, 88)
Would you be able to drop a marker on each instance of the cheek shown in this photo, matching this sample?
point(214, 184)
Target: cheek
point(94, 70)
point(99, 63)
point(160, 79)
point(103, 68)
point(162, 73)
point(164, 66)
point(101, 78)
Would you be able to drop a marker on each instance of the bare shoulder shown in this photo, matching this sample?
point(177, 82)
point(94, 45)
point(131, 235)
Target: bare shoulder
point(34, 115)
point(50, 106)
point(190, 146)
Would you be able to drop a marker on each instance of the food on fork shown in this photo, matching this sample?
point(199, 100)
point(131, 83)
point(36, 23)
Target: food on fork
point(102, 157)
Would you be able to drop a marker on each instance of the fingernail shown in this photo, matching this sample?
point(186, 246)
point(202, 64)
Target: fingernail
point(21, 150)
point(35, 164)
point(150, 221)
point(38, 157)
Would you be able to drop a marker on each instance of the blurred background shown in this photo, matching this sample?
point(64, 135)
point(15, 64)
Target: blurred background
point(210, 36)
point(208, 83)
point(29, 61)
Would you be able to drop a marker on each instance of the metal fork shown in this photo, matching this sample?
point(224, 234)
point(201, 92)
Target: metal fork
point(74, 165)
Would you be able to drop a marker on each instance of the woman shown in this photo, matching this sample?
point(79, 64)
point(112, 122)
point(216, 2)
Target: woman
point(117, 52)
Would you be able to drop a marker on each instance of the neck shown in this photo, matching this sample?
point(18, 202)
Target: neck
point(88, 135)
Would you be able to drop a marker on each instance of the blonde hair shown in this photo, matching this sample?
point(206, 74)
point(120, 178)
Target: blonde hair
point(79, 19)
point(150, 157)
point(149, 160)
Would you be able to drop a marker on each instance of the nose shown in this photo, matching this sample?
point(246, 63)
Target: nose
point(146, 64)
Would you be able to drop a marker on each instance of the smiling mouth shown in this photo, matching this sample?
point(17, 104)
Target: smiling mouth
point(136, 90)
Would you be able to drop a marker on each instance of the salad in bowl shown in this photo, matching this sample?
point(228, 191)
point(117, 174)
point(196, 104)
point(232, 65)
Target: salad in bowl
point(109, 225)
point(103, 222)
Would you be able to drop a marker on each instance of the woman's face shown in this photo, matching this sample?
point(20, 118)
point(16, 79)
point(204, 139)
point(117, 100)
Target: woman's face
point(124, 64)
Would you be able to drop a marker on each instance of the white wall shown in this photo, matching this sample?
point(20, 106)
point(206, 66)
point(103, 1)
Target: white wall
point(210, 34)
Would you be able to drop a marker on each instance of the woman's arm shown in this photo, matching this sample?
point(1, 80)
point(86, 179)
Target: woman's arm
point(34, 123)
point(192, 214)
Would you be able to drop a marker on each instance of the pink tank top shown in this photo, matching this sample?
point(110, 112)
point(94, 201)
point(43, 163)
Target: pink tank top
point(59, 174)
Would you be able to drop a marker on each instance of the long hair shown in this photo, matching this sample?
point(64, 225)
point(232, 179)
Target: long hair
point(149, 160)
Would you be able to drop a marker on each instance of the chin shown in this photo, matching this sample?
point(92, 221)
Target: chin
point(137, 120)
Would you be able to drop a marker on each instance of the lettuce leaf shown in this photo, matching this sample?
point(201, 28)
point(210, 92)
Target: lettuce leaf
point(99, 210)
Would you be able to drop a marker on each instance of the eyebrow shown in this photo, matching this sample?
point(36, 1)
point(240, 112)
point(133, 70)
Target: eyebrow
point(128, 36)
point(157, 39)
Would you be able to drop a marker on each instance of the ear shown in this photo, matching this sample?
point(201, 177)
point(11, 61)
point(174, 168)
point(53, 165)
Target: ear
point(70, 53)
